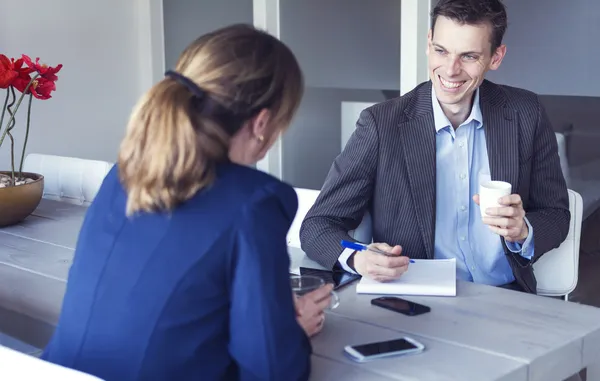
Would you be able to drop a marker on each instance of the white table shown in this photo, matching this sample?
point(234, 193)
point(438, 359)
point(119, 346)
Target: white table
point(554, 339)
point(485, 333)
point(35, 257)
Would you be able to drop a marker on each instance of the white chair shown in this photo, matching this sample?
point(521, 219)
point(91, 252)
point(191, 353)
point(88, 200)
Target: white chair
point(557, 271)
point(68, 179)
point(364, 232)
point(306, 199)
point(562, 155)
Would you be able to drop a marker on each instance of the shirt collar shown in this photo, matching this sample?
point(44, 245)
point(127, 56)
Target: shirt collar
point(441, 120)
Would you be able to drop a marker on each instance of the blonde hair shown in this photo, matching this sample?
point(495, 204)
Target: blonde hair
point(175, 138)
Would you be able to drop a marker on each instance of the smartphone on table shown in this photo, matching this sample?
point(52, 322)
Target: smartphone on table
point(396, 347)
point(406, 307)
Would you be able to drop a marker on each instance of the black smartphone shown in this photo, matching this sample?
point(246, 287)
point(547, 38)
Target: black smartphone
point(400, 305)
point(338, 278)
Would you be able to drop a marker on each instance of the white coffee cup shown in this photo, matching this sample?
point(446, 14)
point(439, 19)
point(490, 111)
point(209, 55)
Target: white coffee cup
point(490, 192)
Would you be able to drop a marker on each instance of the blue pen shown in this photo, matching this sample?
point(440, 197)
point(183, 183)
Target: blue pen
point(360, 247)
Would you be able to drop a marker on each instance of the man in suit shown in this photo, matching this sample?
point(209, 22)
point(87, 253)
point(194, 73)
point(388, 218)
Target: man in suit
point(415, 163)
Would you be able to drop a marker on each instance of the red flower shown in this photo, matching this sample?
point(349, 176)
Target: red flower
point(7, 72)
point(45, 71)
point(42, 87)
point(13, 73)
point(23, 75)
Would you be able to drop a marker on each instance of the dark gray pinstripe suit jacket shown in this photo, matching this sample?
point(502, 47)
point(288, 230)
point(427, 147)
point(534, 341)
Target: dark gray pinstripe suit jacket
point(388, 168)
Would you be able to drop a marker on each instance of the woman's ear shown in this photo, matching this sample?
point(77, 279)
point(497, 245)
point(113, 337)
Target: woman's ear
point(259, 126)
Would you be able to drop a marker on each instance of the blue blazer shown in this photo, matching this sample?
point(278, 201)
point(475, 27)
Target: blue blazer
point(201, 293)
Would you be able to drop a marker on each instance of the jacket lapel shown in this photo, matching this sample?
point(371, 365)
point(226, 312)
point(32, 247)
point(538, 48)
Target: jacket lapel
point(501, 126)
point(417, 133)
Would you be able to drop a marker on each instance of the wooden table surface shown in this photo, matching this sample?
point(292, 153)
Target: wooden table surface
point(554, 339)
point(484, 333)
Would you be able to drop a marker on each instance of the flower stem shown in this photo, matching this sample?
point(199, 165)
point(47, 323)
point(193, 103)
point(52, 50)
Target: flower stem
point(8, 108)
point(9, 127)
point(11, 121)
point(12, 158)
point(4, 108)
point(26, 135)
point(10, 111)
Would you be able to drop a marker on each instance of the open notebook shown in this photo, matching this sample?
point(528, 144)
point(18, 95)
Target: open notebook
point(435, 277)
point(17, 366)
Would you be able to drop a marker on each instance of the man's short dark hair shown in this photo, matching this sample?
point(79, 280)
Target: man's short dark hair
point(474, 12)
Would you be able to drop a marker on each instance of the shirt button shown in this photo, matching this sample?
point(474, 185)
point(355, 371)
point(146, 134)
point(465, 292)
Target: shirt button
point(462, 238)
point(463, 208)
point(462, 176)
point(473, 268)
point(461, 144)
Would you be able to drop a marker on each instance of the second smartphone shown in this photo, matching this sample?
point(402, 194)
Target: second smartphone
point(400, 305)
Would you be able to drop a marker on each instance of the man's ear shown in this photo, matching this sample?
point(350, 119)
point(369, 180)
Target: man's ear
point(429, 39)
point(497, 57)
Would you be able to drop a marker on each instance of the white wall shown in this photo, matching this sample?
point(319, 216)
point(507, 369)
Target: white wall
point(349, 50)
point(185, 20)
point(98, 44)
point(346, 44)
point(551, 47)
point(108, 63)
point(350, 113)
point(314, 139)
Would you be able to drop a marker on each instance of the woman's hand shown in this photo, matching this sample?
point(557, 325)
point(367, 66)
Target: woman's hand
point(310, 309)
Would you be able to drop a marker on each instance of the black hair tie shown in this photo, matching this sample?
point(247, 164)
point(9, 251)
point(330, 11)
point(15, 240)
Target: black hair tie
point(188, 83)
point(231, 118)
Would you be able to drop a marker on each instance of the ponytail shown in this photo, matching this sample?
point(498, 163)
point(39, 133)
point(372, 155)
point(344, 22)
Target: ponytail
point(169, 151)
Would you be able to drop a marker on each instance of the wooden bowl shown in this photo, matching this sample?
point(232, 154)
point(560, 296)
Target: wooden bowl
point(18, 202)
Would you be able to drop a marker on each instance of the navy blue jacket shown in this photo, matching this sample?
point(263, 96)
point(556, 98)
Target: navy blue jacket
point(201, 293)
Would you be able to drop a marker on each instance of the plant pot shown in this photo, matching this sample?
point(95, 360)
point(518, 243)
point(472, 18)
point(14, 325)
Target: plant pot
point(18, 202)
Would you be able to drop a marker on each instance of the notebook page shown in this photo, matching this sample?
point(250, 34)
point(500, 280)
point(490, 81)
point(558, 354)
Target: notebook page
point(17, 366)
point(435, 277)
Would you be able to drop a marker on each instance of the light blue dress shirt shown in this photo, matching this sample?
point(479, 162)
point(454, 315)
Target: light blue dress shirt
point(461, 161)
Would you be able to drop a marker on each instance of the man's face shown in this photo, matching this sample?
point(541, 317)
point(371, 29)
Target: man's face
point(459, 56)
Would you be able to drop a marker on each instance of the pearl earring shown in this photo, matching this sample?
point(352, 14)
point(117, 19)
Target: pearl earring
point(260, 138)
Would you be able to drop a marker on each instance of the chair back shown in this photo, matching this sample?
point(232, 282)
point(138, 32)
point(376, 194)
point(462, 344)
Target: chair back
point(306, 199)
point(557, 271)
point(68, 179)
point(364, 232)
point(561, 142)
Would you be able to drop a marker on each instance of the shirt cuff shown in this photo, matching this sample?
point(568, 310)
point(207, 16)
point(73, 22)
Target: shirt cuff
point(525, 249)
point(343, 260)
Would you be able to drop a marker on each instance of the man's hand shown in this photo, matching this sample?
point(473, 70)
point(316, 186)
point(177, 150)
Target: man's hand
point(380, 267)
point(310, 307)
point(508, 220)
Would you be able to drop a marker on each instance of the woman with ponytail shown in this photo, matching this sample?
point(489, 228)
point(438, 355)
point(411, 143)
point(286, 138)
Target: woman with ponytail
point(181, 267)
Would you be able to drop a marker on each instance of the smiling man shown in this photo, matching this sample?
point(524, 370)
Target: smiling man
point(415, 164)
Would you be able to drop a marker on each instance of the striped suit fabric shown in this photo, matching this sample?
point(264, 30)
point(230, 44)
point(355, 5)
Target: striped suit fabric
point(388, 168)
